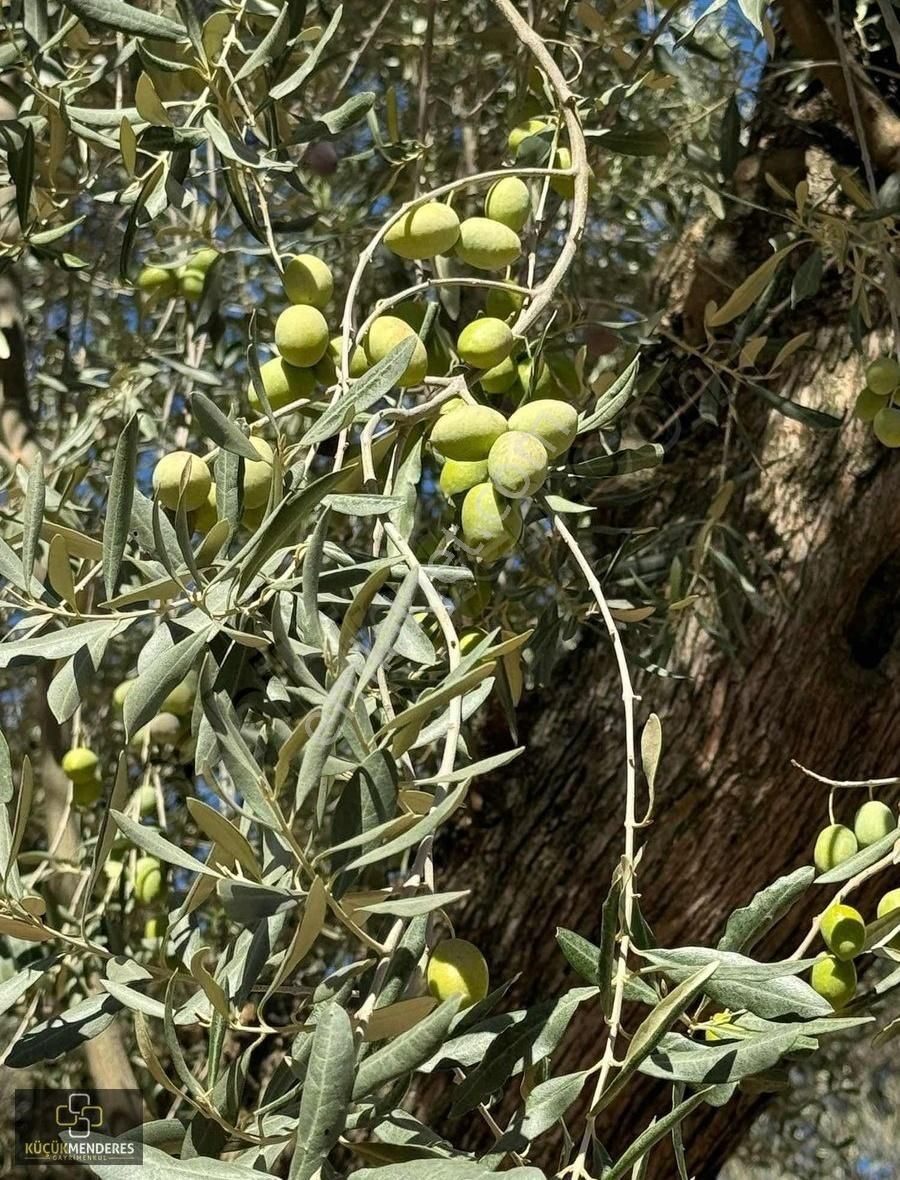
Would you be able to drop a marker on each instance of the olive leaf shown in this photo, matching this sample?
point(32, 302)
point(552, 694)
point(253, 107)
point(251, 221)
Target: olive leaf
point(746, 926)
point(117, 524)
point(377, 381)
point(326, 1091)
point(125, 18)
point(406, 1052)
point(32, 517)
point(295, 80)
point(152, 686)
point(220, 428)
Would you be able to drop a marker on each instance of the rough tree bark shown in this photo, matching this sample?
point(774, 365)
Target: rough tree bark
point(731, 811)
point(812, 683)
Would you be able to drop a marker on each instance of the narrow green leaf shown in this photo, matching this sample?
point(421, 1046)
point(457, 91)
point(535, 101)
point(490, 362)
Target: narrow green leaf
point(63, 642)
point(362, 393)
point(6, 776)
point(677, 1058)
point(64, 1032)
point(808, 278)
point(583, 956)
point(655, 1026)
point(406, 1052)
point(125, 18)
point(747, 293)
point(627, 141)
point(657, 1130)
point(32, 516)
point(11, 570)
point(428, 702)
point(612, 400)
point(767, 989)
point(155, 683)
point(294, 81)
point(107, 830)
point(816, 419)
point(319, 747)
point(188, 13)
point(326, 1091)
point(544, 1107)
point(730, 138)
point(746, 926)
point(160, 1165)
point(220, 428)
point(622, 462)
point(24, 176)
point(651, 749)
point(117, 523)
point(434, 1169)
point(155, 177)
point(269, 47)
point(363, 505)
point(483, 766)
point(567, 507)
point(312, 567)
point(527, 1042)
point(12, 989)
point(413, 907)
point(333, 123)
point(426, 825)
point(609, 928)
point(355, 615)
point(151, 841)
point(388, 631)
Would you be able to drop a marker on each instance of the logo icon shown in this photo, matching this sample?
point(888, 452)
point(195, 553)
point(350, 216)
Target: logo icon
point(79, 1116)
point(87, 1128)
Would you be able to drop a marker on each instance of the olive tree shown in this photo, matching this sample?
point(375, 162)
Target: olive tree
point(300, 490)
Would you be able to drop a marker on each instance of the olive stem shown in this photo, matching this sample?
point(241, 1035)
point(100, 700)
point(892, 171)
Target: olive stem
point(628, 699)
point(846, 783)
point(580, 170)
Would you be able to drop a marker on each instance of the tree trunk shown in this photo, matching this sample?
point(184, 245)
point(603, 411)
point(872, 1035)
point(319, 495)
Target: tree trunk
point(731, 812)
point(810, 682)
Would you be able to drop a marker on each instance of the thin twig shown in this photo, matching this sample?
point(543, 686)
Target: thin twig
point(846, 783)
point(577, 1169)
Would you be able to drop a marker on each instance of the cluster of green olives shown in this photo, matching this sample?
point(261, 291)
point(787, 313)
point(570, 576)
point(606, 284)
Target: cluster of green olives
point(875, 403)
point(494, 459)
point(843, 928)
point(496, 462)
point(183, 477)
point(160, 282)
